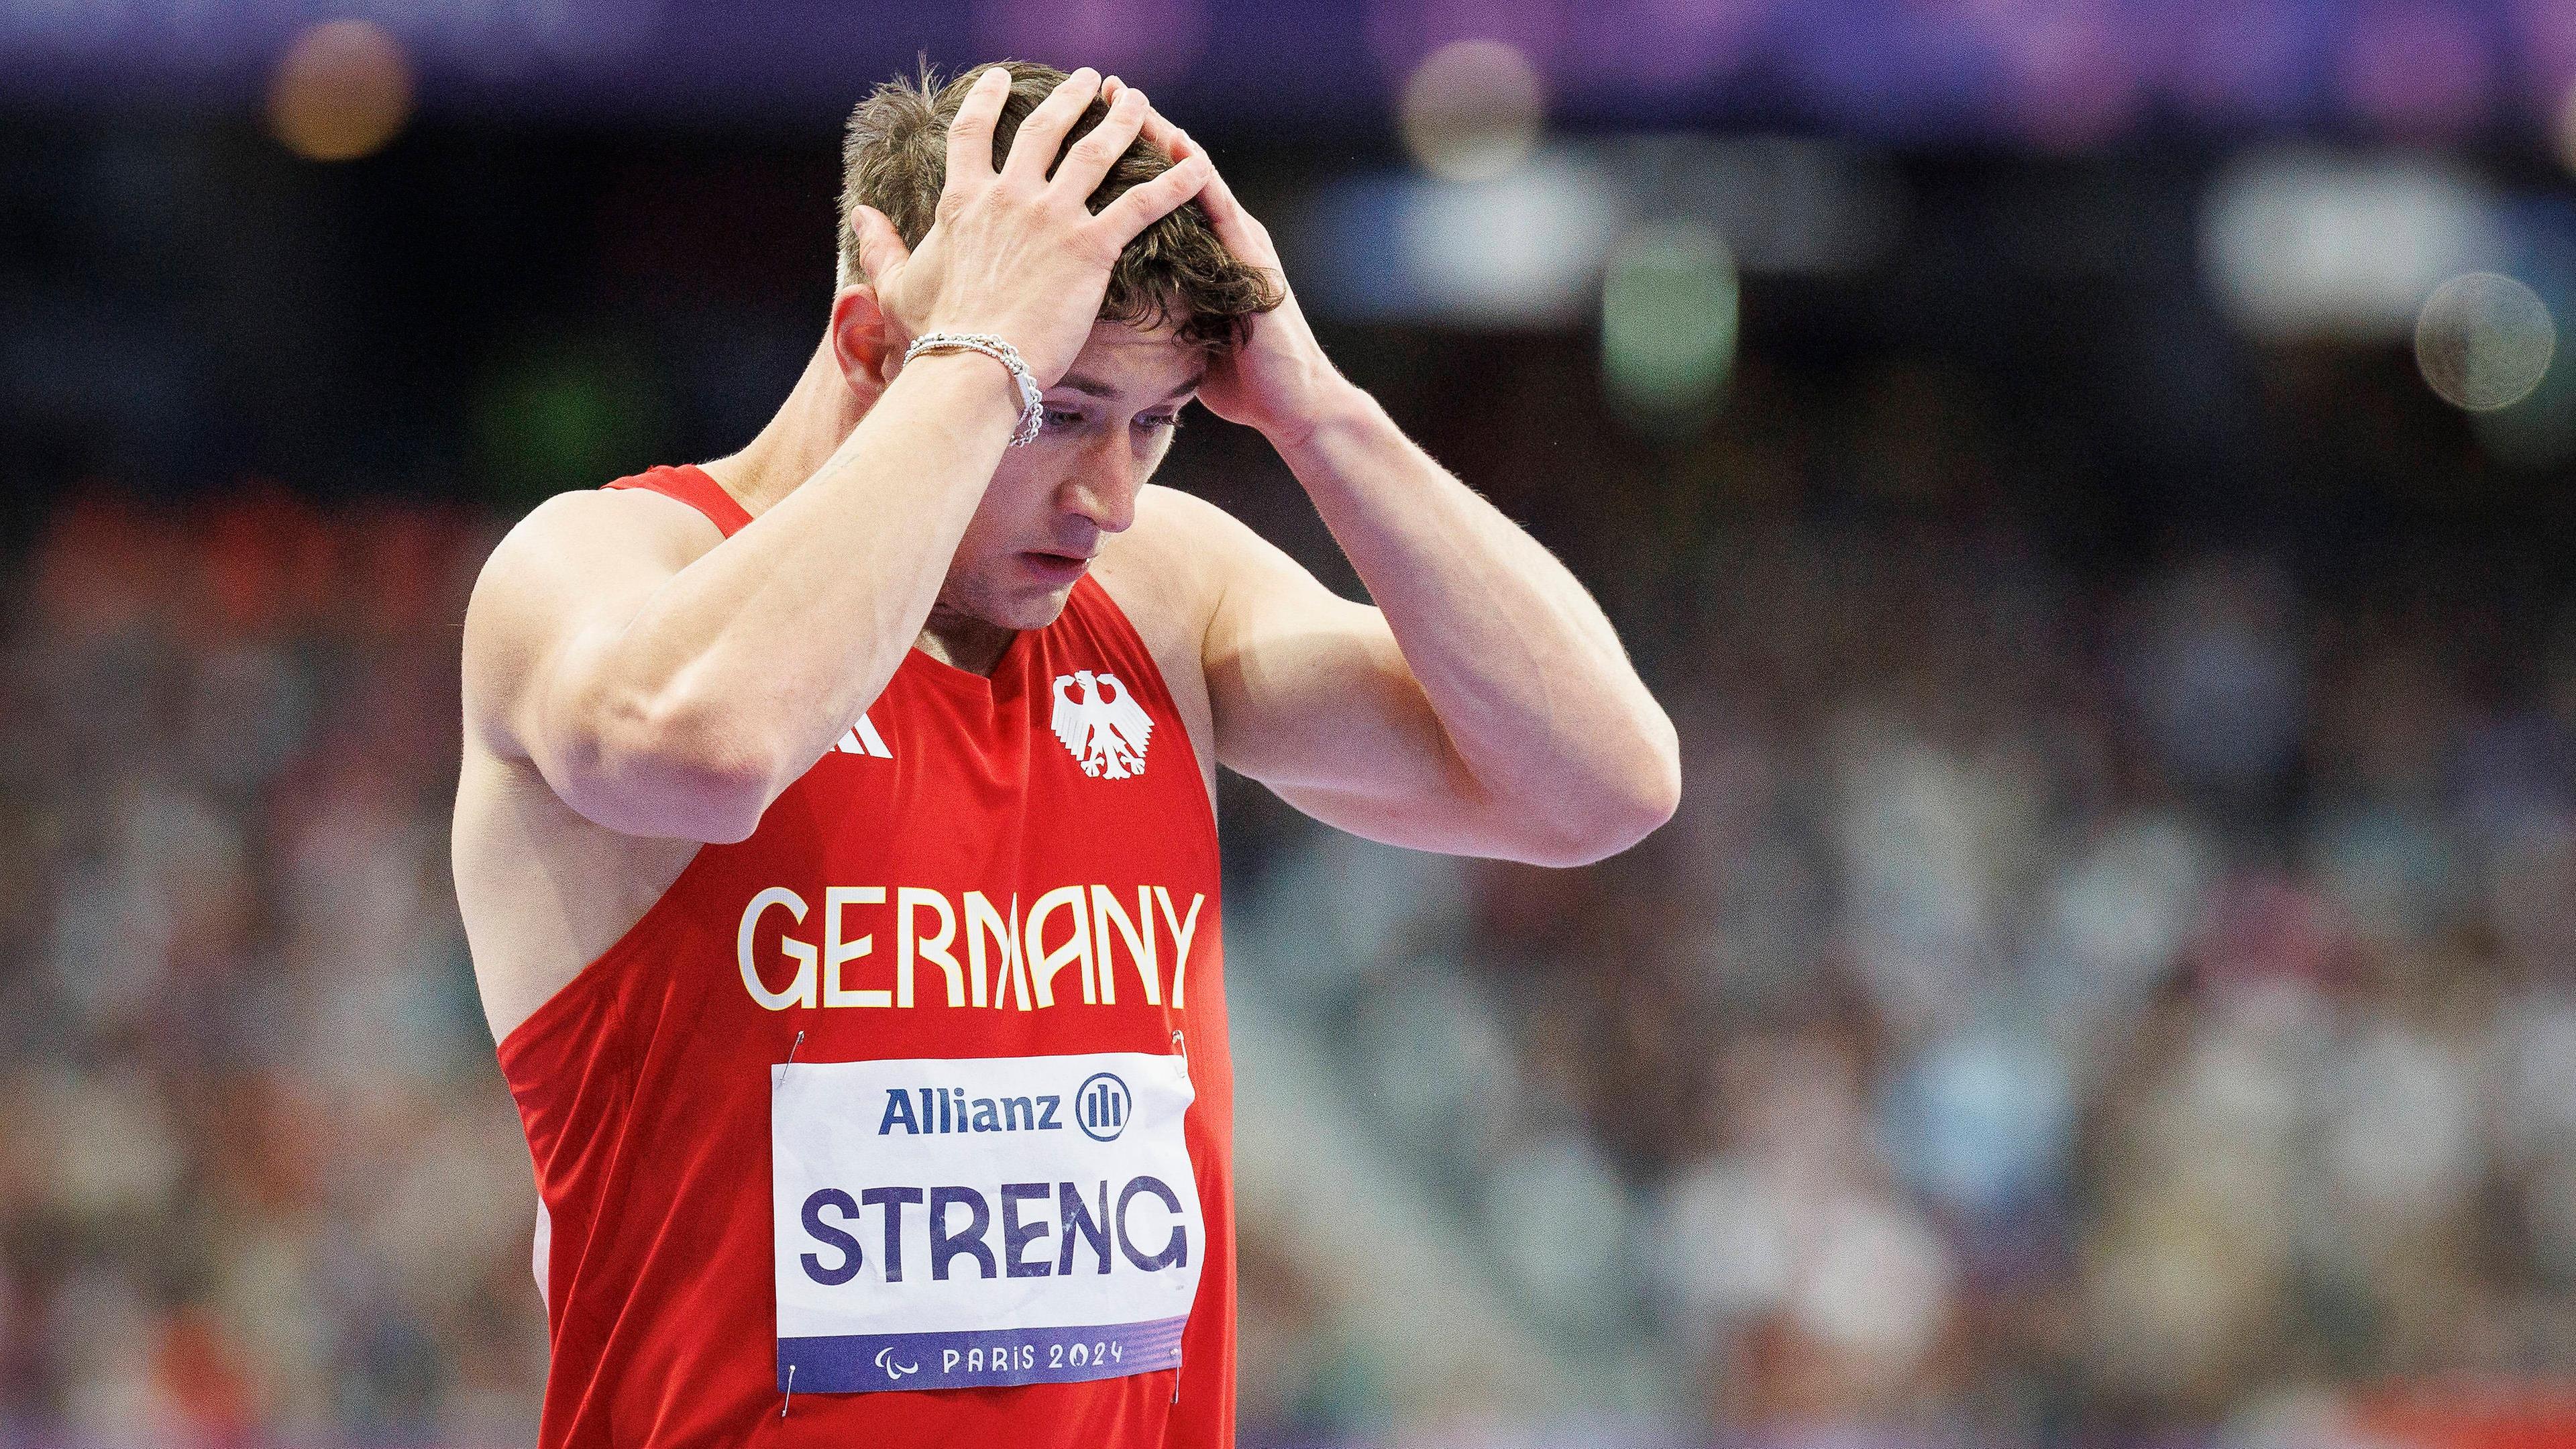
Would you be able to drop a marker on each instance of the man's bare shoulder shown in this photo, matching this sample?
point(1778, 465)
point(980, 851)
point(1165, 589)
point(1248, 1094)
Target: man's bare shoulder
point(1187, 547)
point(571, 557)
point(1166, 569)
point(624, 526)
point(1167, 573)
point(1184, 555)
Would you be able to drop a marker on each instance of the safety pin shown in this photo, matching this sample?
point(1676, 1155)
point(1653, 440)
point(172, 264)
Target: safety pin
point(792, 1049)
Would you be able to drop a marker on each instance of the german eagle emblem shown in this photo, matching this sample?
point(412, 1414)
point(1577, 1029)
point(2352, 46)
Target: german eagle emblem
point(1098, 719)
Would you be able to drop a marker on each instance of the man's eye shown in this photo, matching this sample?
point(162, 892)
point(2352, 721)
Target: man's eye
point(1061, 418)
point(1163, 421)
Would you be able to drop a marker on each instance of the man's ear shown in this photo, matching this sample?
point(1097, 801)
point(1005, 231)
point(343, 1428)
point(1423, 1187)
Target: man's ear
point(866, 342)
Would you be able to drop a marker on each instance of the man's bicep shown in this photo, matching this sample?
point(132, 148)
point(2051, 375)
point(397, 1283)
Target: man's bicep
point(1313, 698)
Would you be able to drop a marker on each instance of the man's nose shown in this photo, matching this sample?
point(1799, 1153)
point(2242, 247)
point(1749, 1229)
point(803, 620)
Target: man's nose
point(1103, 488)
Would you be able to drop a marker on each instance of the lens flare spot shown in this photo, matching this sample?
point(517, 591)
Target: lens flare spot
point(1472, 110)
point(341, 91)
point(2484, 341)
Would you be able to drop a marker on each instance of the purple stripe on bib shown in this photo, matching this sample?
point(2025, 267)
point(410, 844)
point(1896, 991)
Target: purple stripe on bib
point(862, 1363)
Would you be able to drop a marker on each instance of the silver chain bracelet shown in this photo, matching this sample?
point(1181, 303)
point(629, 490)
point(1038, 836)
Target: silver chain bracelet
point(1032, 407)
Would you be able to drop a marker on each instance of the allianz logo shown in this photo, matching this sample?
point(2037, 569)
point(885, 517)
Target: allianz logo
point(1102, 1106)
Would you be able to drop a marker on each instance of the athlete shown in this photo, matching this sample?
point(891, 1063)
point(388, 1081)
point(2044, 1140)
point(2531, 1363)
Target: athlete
point(836, 833)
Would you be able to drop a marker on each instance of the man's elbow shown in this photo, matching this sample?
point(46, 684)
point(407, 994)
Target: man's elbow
point(1660, 785)
point(1632, 801)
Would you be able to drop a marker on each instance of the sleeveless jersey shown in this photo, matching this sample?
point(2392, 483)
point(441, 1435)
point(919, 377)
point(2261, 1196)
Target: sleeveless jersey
point(910, 1115)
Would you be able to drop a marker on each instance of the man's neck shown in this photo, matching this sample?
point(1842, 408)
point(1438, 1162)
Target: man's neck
point(968, 643)
point(819, 415)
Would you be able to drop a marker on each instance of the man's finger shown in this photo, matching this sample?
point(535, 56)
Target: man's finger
point(1143, 205)
point(1088, 163)
point(1158, 131)
point(1218, 199)
point(881, 248)
point(1042, 134)
point(970, 135)
point(1165, 137)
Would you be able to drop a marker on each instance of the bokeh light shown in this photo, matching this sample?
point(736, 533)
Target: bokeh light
point(341, 91)
point(557, 409)
point(2304, 242)
point(1668, 321)
point(2484, 340)
point(1472, 110)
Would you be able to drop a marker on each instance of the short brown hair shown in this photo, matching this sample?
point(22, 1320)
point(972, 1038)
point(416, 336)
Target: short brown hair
point(895, 159)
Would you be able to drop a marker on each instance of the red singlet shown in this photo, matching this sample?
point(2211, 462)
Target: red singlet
point(998, 1162)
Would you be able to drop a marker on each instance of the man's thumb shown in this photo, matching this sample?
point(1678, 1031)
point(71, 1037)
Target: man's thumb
point(881, 248)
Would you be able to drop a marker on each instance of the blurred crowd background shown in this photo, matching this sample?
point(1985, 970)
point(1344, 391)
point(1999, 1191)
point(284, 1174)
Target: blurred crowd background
point(2090, 479)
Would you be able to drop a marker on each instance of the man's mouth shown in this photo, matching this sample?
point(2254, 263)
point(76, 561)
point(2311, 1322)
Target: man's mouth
point(1059, 568)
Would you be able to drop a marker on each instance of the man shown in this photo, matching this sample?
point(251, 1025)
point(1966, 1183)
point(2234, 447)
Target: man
point(836, 831)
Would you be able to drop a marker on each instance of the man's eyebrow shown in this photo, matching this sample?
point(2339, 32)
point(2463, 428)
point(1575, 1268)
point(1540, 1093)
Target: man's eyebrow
point(1093, 387)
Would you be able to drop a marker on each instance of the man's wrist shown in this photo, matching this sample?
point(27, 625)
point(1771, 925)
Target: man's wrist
point(1032, 407)
point(1337, 408)
point(972, 379)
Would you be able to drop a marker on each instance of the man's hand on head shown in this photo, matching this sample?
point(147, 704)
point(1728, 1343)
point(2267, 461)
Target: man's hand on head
point(1014, 252)
point(1279, 381)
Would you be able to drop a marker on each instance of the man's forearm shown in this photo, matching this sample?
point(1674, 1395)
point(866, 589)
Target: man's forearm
point(1520, 665)
point(776, 639)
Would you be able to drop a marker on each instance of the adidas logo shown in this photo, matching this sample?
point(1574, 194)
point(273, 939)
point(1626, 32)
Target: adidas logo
point(863, 739)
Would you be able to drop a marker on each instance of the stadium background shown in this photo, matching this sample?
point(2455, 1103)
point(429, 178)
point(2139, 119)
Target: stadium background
point(2112, 981)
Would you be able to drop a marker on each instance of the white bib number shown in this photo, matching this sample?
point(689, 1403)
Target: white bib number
point(981, 1223)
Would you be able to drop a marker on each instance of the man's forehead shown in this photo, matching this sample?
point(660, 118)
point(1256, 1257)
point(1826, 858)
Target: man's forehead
point(1136, 364)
